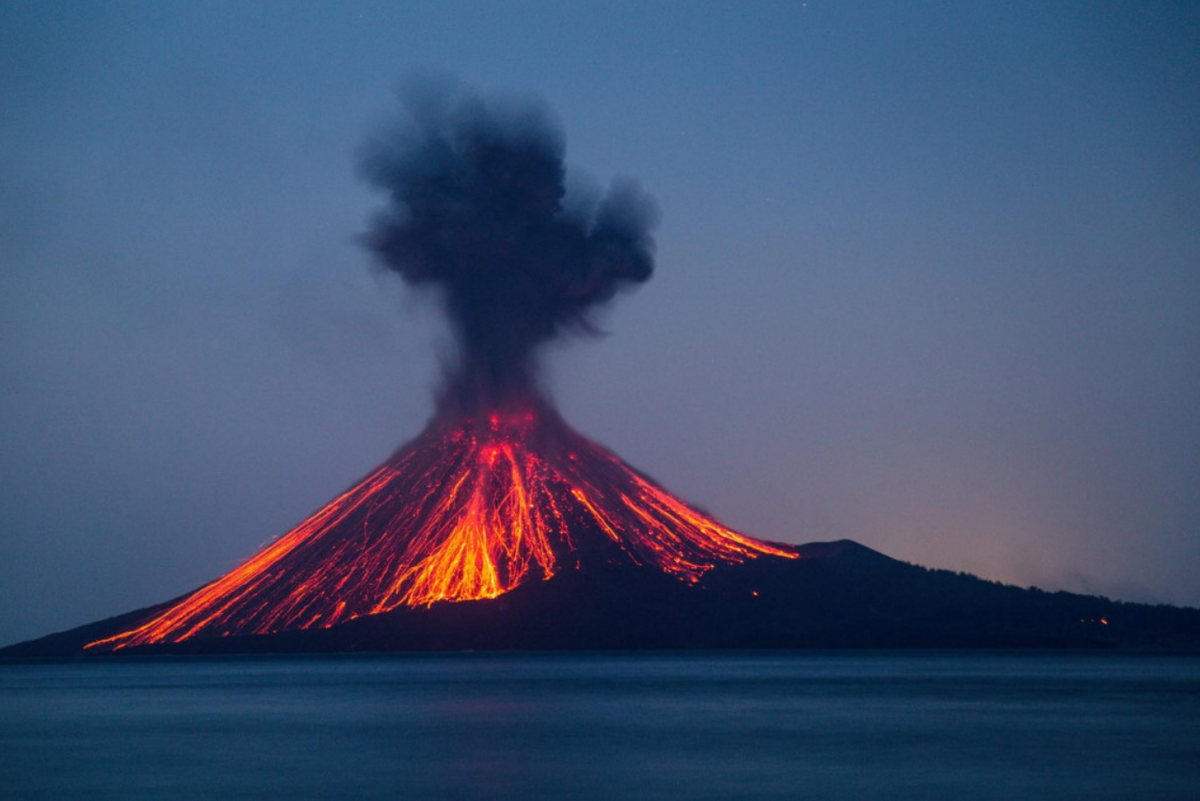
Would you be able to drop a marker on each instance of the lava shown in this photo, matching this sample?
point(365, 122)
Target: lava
point(468, 510)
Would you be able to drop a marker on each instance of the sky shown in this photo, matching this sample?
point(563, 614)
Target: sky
point(928, 277)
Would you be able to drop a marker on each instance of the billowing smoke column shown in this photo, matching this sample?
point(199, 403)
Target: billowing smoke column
point(477, 213)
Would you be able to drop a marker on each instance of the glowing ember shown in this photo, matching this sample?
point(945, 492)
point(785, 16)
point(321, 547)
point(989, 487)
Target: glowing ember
point(468, 510)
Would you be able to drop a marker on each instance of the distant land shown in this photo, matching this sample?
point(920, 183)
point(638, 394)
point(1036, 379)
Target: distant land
point(836, 595)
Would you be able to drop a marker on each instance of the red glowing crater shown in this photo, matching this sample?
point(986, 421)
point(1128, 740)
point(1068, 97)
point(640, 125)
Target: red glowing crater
point(468, 510)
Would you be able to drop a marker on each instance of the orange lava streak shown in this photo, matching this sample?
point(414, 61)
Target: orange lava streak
point(469, 510)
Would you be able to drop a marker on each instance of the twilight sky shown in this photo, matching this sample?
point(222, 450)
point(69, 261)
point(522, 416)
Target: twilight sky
point(928, 277)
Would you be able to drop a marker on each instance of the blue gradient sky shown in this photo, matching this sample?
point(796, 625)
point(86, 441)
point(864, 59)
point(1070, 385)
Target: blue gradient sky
point(929, 277)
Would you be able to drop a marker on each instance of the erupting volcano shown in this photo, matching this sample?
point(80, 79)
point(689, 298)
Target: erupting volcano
point(498, 490)
point(500, 527)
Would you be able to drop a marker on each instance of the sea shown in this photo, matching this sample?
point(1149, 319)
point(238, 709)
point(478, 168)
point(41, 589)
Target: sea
point(786, 725)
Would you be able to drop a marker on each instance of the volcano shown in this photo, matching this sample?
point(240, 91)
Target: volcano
point(510, 530)
point(469, 510)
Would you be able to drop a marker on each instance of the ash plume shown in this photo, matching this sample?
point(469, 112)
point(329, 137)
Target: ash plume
point(478, 212)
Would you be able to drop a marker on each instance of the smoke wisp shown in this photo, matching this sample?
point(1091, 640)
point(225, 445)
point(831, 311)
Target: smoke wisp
point(478, 212)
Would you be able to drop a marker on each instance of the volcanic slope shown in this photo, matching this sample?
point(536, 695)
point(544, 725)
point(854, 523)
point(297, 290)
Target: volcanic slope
point(471, 509)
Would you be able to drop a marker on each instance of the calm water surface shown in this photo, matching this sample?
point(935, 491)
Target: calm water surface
point(793, 725)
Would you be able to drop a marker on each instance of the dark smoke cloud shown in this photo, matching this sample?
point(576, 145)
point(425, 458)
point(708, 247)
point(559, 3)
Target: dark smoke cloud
point(479, 212)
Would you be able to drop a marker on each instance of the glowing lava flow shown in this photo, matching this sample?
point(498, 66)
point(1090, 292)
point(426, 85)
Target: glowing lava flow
point(468, 510)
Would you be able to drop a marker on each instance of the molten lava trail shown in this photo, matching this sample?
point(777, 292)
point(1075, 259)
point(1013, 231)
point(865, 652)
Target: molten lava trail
point(468, 510)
